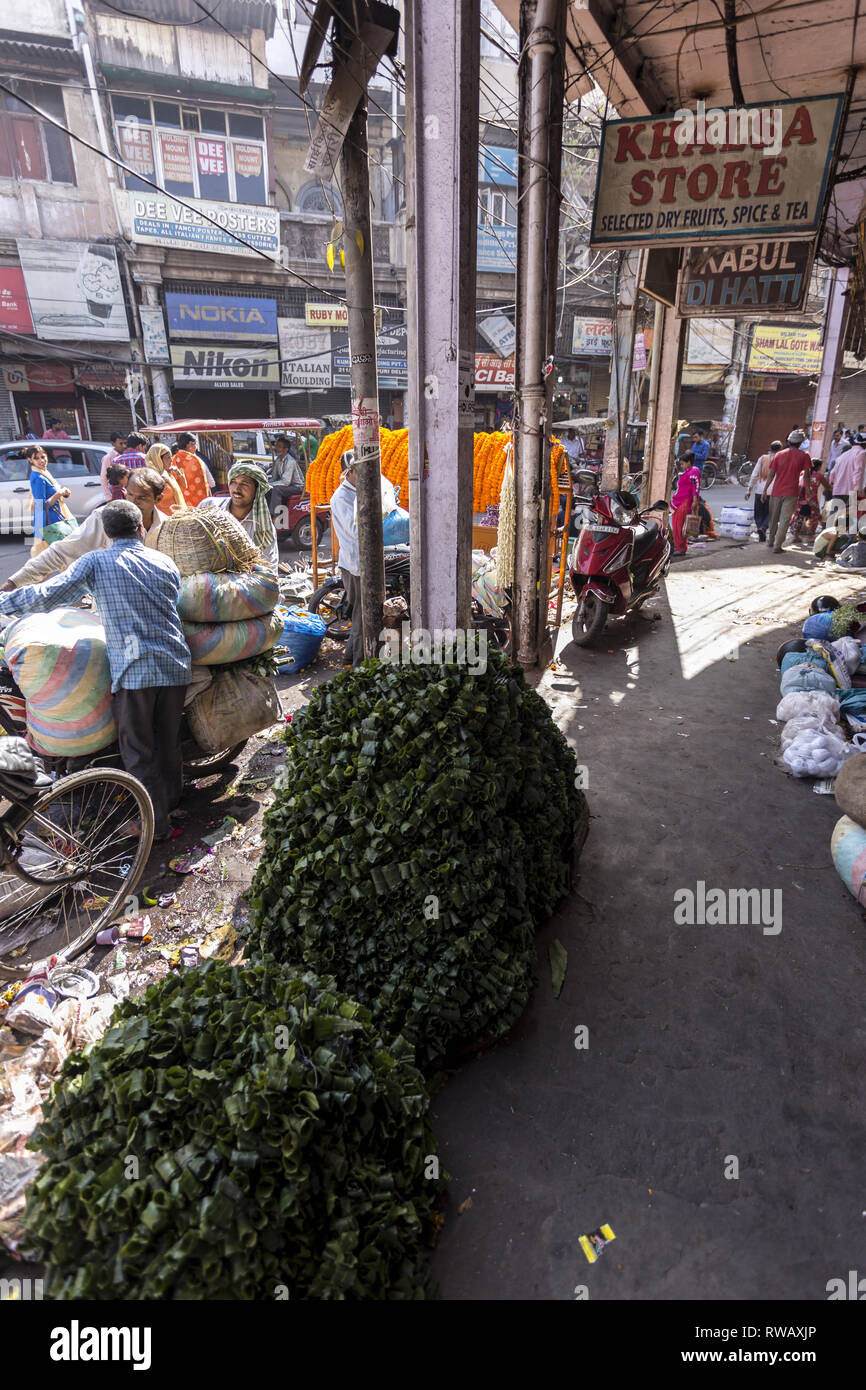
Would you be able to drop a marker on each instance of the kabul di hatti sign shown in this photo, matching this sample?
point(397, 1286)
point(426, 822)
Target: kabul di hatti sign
point(759, 173)
point(730, 281)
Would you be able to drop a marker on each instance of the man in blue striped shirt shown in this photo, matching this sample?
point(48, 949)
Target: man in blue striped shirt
point(136, 591)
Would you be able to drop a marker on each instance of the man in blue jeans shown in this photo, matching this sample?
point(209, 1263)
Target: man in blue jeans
point(136, 591)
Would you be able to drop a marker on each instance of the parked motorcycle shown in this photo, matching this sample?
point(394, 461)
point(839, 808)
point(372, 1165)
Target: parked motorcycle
point(619, 561)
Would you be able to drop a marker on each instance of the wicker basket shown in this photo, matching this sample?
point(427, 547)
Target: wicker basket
point(207, 540)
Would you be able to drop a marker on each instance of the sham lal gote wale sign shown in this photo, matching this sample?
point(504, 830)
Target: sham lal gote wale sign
point(656, 184)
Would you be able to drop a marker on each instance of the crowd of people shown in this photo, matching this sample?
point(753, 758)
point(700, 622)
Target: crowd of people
point(113, 556)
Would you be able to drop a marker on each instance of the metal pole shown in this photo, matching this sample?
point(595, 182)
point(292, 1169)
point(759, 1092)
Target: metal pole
point(358, 248)
point(828, 382)
point(734, 387)
point(621, 369)
point(543, 22)
point(649, 438)
point(442, 62)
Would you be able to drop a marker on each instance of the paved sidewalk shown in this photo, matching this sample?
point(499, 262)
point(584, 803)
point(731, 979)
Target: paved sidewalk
point(704, 1041)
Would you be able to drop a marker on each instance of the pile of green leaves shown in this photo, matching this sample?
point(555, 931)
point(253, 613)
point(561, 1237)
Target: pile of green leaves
point(416, 844)
point(239, 1133)
point(846, 618)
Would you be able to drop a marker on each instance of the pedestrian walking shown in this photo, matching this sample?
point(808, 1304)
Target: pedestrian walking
point(759, 477)
point(344, 523)
point(785, 472)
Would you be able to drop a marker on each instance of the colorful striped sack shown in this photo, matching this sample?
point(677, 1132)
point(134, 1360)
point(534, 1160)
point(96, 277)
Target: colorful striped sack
point(59, 661)
point(228, 598)
point(848, 848)
point(218, 644)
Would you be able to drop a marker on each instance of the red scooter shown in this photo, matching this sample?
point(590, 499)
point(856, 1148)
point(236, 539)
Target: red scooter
point(619, 561)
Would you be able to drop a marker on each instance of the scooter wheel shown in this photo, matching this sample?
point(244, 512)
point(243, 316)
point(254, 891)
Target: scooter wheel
point(589, 619)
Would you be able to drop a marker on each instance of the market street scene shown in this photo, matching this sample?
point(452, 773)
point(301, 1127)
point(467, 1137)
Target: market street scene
point(433, 663)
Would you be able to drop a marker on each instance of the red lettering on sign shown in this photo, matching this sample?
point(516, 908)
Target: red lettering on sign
point(664, 145)
point(628, 145)
point(642, 187)
point(800, 128)
point(701, 182)
point(668, 177)
point(769, 171)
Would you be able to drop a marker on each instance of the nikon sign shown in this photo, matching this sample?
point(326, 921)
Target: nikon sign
point(680, 180)
point(225, 367)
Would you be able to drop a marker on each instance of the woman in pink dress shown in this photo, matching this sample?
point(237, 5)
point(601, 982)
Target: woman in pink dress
point(684, 504)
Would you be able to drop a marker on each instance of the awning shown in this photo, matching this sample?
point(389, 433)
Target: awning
point(704, 376)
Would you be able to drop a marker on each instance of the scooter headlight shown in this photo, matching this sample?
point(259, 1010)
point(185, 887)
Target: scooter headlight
point(620, 514)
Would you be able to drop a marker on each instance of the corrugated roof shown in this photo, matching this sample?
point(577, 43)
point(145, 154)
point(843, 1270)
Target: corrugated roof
point(54, 53)
point(237, 15)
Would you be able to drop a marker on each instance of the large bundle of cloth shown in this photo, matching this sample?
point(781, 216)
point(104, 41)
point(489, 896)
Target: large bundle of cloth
point(60, 663)
point(216, 644)
point(236, 704)
point(229, 597)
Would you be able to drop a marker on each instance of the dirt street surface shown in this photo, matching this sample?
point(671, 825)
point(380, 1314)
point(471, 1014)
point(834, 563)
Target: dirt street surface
point(704, 1042)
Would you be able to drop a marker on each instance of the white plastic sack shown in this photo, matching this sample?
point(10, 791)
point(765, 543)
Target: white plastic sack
point(806, 702)
point(814, 753)
point(850, 652)
point(815, 722)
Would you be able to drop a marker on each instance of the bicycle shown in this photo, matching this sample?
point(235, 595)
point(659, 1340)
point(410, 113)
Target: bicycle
point(72, 850)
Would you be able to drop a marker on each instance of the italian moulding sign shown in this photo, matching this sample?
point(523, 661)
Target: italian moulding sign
point(197, 224)
point(677, 180)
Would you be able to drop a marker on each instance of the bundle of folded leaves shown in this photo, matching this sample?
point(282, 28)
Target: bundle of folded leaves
point(419, 839)
point(239, 1133)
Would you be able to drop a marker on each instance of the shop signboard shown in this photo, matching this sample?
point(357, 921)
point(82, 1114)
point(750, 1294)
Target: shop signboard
point(756, 382)
point(499, 332)
point(757, 276)
point(497, 249)
point(794, 350)
point(711, 343)
point(305, 357)
point(592, 337)
point(392, 365)
point(220, 316)
point(14, 309)
point(497, 165)
point(325, 315)
point(39, 376)
point(153, 335)
point(158, 220)
point(74, 290)
point(226, 367)
point(716, 173)
point(494, 373)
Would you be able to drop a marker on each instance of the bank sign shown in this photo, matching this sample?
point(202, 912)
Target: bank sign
point(220, 316)
point(758, 172)
point(729, 281)
point(229, 368)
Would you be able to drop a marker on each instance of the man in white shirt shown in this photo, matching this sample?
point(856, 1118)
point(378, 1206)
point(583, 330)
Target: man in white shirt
point(118, 444)
point(837, 447)
point(344, 524)
point(574, 447)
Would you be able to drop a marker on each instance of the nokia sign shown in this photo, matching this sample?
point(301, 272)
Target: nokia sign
point(220, 316)
point(226, 367)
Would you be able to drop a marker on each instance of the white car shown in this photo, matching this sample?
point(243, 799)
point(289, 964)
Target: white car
point(72, 463)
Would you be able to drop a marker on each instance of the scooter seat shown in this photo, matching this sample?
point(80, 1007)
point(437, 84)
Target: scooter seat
point(644, 535)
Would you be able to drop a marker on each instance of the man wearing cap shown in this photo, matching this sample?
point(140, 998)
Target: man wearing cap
point(344, 524)
point(247, 502)
point(784, 475)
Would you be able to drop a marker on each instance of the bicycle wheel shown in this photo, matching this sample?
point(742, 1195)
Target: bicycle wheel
point(73, 857)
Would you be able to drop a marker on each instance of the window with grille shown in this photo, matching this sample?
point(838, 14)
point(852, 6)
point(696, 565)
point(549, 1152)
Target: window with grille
point(192, 152)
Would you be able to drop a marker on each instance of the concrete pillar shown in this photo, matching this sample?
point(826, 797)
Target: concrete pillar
point(734, 385)
point(160, 381)
point(621, 369)
point(658, 474)
point(442, 60)
point(831, 365)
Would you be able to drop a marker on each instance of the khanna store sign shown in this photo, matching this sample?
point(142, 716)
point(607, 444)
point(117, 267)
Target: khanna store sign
point(658, 184)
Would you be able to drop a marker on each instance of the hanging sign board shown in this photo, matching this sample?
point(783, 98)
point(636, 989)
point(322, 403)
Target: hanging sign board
point(777, 349)
point(375, 36)
point(754, 278)
point(756, 171)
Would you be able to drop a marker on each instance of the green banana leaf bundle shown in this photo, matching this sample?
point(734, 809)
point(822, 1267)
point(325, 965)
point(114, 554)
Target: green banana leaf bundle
point(238, 1133)
point(419, 839)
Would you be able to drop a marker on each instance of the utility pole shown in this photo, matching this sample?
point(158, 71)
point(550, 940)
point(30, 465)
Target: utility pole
point(358, 249)
point(823, 423)
point(621, 367)
point(542, 34)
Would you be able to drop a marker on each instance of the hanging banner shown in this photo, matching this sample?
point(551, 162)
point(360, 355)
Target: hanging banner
point(638, 361)
point(176, 162)
point(220, 316)
point(160, 221)
point(499, 332)
point(74, 290)
point(153, 335)
point(305, 357)
point(777, 349)
point(210, 156)
point(731, 281)
point(592, 338)
point(720, 173)
point(14, 309)
point(711, 343)
point(136, 149)
point(248, 160)
point(225, 367)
